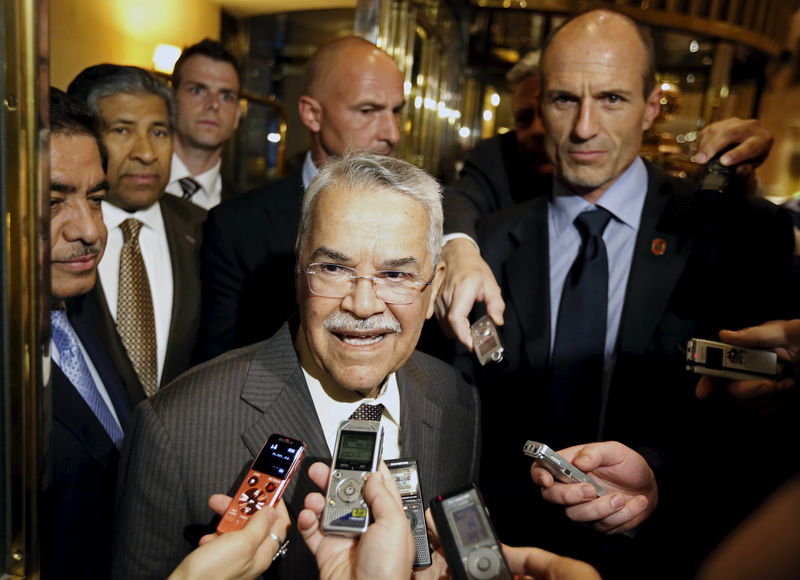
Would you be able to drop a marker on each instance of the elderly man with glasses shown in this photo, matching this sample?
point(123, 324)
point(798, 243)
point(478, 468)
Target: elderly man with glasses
point(367, 272)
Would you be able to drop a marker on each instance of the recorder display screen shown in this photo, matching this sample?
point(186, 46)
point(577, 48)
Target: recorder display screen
point(277, 456)
point(469, 525)
point(355, 450)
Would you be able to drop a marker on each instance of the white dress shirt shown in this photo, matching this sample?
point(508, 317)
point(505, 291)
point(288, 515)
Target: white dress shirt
point(331, 411)
point(157, 262)
point(210, 192)
point(55, 358)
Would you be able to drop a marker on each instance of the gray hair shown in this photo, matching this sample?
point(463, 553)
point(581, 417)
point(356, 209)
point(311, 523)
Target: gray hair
point(105, 80)
point(527, 66)
point(371, 172)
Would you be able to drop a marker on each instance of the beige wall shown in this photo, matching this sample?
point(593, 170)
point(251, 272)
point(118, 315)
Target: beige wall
point(87, 32)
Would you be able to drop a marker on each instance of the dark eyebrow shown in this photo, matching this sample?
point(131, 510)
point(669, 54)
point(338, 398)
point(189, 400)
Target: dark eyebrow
point(62, 187)
point(100, 186)
point(331, 254)
point(400, 262)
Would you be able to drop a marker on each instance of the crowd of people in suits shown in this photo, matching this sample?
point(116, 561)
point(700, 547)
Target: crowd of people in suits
point(200, 332)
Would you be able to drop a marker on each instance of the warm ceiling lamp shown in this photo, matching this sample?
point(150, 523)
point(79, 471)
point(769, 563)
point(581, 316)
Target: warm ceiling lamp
point(165, 56)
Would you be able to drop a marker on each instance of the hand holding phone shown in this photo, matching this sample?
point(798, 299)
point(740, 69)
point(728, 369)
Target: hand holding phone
point(265, 482)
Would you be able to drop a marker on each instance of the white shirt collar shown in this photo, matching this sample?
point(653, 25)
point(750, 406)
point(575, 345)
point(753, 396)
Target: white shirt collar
point(207, 180)
point(332, 411)
point(309, 170)
point(150, 217)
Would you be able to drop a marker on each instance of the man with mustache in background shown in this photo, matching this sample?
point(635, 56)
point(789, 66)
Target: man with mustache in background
point(367, 271)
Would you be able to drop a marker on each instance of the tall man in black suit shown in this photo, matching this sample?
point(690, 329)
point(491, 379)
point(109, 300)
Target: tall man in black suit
point(596, 319)
point(367, 270)
point(351, 101)
point(148, 298)
point(91, 406)
point(206, 85)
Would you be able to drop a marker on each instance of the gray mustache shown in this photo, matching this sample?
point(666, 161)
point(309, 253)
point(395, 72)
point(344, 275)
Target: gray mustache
point(79, 251)
point(342, 321)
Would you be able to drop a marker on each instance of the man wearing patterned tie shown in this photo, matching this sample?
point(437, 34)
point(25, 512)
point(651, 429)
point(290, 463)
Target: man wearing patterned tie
point(90, 404)
point(148, 297)
point(366, 273)
point(206, 85)
point(605, 280)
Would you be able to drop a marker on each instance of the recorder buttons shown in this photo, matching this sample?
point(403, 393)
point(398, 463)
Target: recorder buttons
point(483, 563)
point(348, 490)
point(251, 501)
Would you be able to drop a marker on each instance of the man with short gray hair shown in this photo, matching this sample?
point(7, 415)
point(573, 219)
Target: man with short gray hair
point(148, 296)
point(366, 275)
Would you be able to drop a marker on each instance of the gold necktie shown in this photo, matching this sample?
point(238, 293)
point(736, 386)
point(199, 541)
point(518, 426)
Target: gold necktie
point(135, 319)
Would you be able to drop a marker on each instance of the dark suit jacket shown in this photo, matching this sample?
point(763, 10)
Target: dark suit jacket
point(726, 265)
point(229, 190)
point(183, 222)
point(495, 176)
point(247, 266)
point(80, 493)
point(200, 435)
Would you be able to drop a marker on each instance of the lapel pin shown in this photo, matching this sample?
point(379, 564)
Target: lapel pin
point(658, 246)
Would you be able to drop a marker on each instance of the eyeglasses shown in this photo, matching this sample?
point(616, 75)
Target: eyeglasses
point(337, 281)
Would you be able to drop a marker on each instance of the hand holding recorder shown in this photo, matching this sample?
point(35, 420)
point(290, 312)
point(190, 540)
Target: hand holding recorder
point(243, 553)
point(385, 550)
point(621, 471)
point(782, 336)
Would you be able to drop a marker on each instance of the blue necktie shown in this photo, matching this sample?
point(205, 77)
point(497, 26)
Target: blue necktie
point(73, 365)
point(574, 399)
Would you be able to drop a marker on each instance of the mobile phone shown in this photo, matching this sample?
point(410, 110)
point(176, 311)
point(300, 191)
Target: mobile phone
point(717, 359)
point(358, 449)
point(486, 341)
point(406, 477)
point(265, 482)
point(468, 538)
point(561, 469)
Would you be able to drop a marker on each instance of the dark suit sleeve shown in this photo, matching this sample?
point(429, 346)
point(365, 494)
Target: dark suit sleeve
point(222, 279)
point(152, 502)
point(482, 188)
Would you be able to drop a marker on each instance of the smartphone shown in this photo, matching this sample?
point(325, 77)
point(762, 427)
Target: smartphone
point(358, 449)
point(468, 538)
point(561, 469)
point(265, 482)
point(406, 477)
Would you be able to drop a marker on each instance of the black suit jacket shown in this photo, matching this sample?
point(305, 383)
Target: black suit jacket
point(199, 436)
point(726, 265)
point(247, 266)
point(495, 176)
point(80, 492)
point(183, 223)
point(229, 190)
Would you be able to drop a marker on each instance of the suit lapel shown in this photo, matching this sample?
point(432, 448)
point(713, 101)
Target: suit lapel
point(71, 410)
point(419, 416)
point(659, 259)
point(183, 252)
point(527, 275)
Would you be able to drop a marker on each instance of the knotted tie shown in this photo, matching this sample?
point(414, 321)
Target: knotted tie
point(366, 412)
point(73, 364)
point(577, 362)
point(135, 318)
point(189, 187)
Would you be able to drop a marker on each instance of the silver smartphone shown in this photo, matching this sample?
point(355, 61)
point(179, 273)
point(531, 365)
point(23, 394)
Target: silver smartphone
point(358, 449)
point(717, 359)
point(561, 469)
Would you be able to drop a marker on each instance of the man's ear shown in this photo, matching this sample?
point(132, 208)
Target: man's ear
point(435, 286)
point(310, 113)
point(652, 107)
